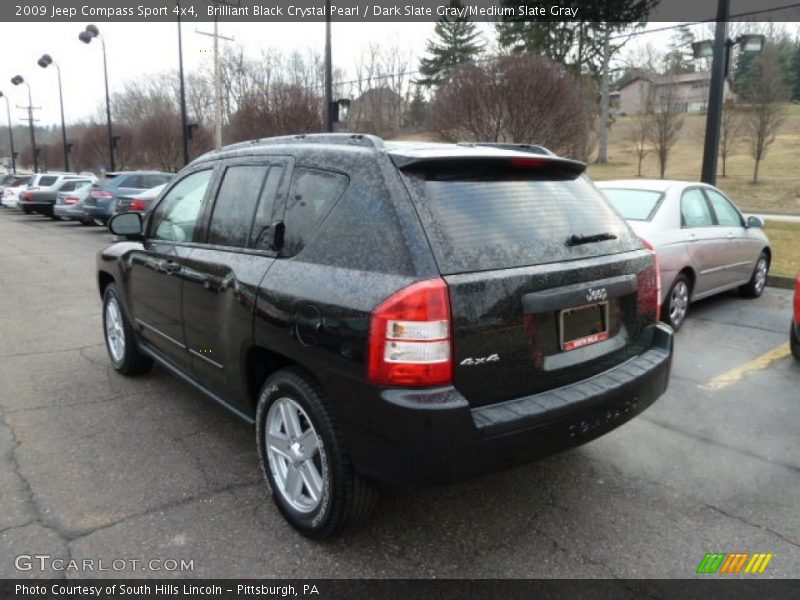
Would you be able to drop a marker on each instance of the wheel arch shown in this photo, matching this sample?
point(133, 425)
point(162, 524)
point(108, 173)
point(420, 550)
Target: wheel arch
point(260, 362)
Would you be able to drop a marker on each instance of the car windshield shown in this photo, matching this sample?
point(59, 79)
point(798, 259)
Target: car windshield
point(82, 185)
point(636, 205)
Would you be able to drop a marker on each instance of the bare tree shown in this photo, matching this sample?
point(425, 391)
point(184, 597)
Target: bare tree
point(730, 132)
point(523, 98)
point(664, 114)
point(764, 93)
point(639, 135)
point(382, 90)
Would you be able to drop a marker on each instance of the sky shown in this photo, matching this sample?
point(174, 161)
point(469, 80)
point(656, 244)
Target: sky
point(138, 49)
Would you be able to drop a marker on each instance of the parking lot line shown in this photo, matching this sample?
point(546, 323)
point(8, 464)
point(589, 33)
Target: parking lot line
point(762, 362)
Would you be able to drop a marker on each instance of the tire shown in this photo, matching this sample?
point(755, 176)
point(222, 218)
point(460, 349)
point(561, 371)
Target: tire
point(343, 498)
point(26, 210)
point(794, 342)
point(758, 280)
point(677, 302)
point(119, 336)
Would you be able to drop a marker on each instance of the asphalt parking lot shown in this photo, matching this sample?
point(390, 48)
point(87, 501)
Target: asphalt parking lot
point(95, 466)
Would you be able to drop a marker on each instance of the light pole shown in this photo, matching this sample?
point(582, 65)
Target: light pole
point(86, 36)
point(18, 80)
point(328, 70)
point(720, 52)
point(10, 135)
point(45, 61)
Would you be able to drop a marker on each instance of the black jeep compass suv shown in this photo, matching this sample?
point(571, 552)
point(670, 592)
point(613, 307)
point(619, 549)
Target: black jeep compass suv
point(403, 313)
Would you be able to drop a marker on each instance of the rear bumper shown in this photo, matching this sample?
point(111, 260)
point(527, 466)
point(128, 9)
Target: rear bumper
point(101, 212)
point(39, 207)
point(408, 437)
point(68, 212)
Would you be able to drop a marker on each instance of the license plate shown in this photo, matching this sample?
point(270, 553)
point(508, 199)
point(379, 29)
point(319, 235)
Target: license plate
point(583, 325)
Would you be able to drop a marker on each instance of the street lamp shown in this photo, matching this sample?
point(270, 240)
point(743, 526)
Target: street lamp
point(720, 51)
point(10, 135)
point(45, 61)
point(18, 80)
point(86, 36)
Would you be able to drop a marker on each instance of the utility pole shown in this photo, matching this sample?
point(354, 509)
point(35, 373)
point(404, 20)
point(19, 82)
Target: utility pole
point(602, 150)
point(328, 70)
point(217, 81)
point(716, 94)
point(184, 132)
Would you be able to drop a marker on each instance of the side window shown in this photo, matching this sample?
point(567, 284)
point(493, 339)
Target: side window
point(175, 217)
point(311, 197)
point(727, 215)
point(235, 206)
point(266, 204)
point(694, 209)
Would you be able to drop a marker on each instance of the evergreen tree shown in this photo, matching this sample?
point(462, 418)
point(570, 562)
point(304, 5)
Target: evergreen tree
point(457, 41)
point(680, 57)
point(417, 109)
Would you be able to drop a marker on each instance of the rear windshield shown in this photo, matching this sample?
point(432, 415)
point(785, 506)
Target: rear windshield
point(47, 181)
point(485, 224)
point(637, 205)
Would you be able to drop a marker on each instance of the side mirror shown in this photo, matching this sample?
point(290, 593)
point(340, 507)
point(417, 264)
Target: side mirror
point(128, 225)
point(754, 221)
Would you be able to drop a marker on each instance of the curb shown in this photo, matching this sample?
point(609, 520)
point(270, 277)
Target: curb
point(779, 281)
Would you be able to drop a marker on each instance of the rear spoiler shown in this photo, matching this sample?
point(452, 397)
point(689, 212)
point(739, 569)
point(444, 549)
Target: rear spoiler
point(477, 164)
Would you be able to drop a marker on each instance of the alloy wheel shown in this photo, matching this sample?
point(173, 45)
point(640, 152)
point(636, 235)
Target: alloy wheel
point(115, 330)
point(295, 460)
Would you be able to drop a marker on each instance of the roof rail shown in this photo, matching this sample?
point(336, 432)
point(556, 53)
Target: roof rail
point(531, 148)
point(358, 139)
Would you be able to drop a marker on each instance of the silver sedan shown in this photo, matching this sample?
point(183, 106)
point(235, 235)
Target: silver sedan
point(704, 243)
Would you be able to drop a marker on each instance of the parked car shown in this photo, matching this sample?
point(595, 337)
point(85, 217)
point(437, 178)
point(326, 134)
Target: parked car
point(704, 243)
point(47, 184)
point(69, 204)
point(43, 199)
point(139, 202)
point(391, 312)
point(11, 190)
point(102, 200)
point(794, 332)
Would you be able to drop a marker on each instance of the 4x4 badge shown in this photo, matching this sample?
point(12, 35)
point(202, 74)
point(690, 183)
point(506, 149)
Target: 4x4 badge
point(597, 295)
point(469, 362)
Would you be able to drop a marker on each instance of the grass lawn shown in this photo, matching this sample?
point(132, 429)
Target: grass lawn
point(785, 241)
point(778, 189)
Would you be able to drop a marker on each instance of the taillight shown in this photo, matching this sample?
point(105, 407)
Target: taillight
point(101, 194)
point(650, 285)
point(28, 195)
point(70, 200)
point(409, 337)
point(139, 205)
point(797, 300)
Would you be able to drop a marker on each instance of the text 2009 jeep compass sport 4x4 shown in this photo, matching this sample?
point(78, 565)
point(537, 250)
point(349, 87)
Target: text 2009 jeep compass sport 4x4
point(391, 312)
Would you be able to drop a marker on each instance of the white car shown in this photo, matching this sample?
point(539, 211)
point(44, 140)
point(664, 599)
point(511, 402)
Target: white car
point(11, 191)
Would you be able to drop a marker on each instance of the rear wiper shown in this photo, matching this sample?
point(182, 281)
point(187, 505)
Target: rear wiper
point(577, 239)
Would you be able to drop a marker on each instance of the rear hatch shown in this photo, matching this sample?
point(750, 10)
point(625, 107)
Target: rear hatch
point(548, 285)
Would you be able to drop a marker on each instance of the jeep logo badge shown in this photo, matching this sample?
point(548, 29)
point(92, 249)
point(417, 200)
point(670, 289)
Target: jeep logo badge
point(597, 295)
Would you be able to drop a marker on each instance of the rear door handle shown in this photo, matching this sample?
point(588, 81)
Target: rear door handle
point(172, 267)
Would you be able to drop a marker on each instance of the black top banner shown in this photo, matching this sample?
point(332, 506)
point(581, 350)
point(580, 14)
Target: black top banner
point(394, 10)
